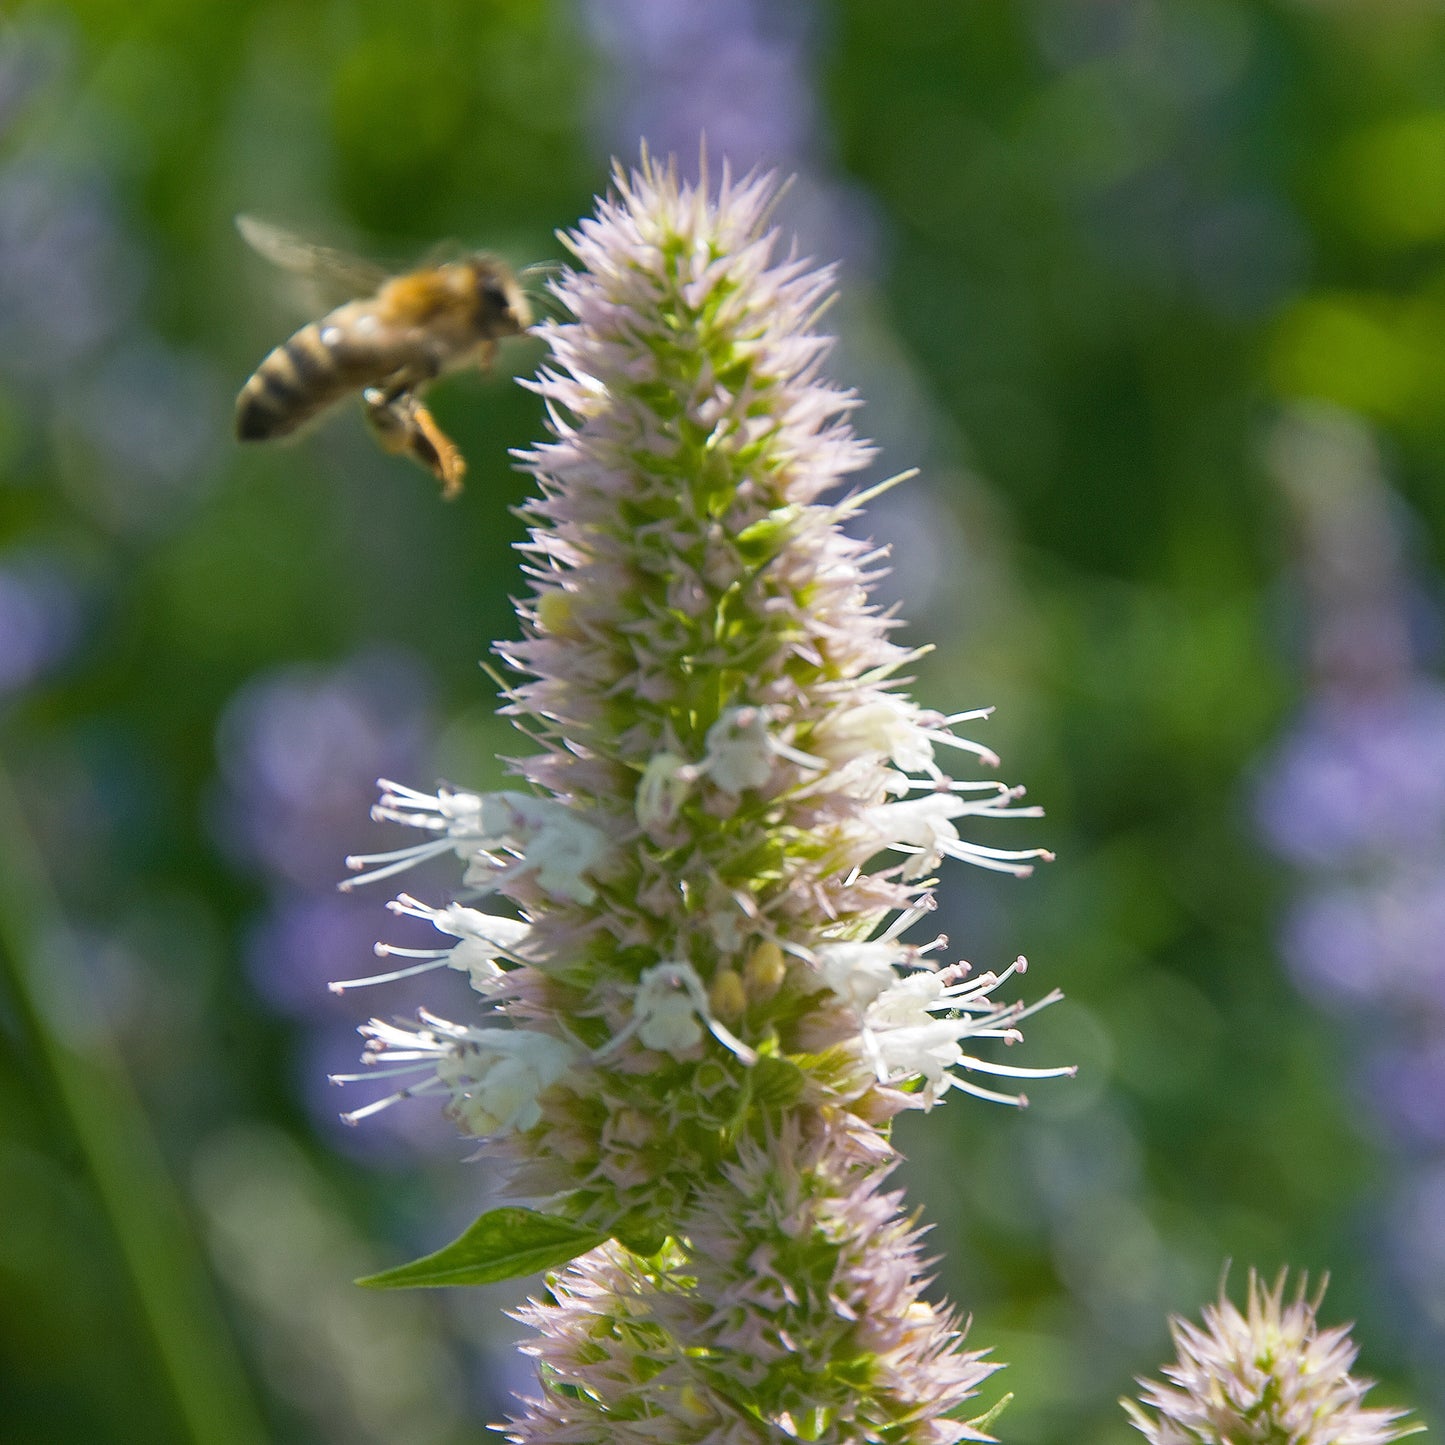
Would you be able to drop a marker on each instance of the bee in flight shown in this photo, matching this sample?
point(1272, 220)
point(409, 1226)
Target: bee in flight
point(391, 337)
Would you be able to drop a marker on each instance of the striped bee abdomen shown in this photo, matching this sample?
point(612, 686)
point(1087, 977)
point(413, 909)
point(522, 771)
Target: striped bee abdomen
point(300, 378)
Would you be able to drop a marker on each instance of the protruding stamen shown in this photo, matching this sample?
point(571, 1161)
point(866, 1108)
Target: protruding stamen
point(1017, 1101)
point(437, 961)
point(376, 1074)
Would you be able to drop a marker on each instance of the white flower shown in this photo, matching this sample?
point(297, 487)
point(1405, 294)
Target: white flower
point(922, 827)
point(666, 1008)
point(905, 1041)
point(738, 755)
point(495, 1082)
point(554, 844)
point(739, 750)
point(455, 816)
point(485, 937)
point(888, 726)
point(670, 1010)
point(662, 789)
point(859, 972)
point(548, 840)
point(493, 1075)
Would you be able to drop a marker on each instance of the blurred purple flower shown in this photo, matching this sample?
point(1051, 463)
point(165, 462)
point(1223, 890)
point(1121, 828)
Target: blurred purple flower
point(140, 432)
point(1371, 947)
point(734, 71)
point(1405, 1079)
point(1354, 797)
point(736, 74)
point(41, 618)
point(1417, 1235)
point(303, 943)
point(138, 422)
point(68, 280)
point(301, 748)
point(1359, 777)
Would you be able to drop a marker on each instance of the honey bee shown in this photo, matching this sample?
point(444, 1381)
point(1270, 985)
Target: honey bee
point(392, 337)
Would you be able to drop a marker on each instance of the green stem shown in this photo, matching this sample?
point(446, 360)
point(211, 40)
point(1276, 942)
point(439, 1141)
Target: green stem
point(154, 1234)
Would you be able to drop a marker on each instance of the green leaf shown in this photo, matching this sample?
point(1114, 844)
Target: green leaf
point(640, 1234)
point(500, 1244)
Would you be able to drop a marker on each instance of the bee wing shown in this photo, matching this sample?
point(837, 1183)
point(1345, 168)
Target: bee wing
point(328, 277)
point(440, 253)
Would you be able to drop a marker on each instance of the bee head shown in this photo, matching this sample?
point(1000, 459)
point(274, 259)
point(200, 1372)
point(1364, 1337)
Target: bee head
point(502, 307)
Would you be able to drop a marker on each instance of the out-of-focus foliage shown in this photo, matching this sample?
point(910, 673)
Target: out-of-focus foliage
point(1093, 253)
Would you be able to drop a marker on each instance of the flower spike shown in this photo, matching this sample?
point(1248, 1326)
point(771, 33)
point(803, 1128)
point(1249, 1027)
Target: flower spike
point(692, 1036)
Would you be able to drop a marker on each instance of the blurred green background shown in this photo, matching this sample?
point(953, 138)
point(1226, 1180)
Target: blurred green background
point(1155, 295)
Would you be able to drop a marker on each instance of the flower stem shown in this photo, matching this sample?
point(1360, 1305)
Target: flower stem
point(196, 1352)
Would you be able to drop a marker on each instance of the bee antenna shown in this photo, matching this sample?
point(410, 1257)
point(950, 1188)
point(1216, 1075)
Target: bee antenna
point(536, 283)
point(548, 306)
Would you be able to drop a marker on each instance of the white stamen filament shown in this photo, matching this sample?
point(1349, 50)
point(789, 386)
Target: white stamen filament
point(434, 958)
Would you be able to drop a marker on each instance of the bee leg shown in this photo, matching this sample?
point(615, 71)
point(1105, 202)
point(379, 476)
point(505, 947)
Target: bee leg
point(486, 355)
point(438, 452)
point(409, 379)
point(404, 427)
point(387, 420)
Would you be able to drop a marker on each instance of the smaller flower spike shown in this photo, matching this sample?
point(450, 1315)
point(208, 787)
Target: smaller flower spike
point(1266, 1376)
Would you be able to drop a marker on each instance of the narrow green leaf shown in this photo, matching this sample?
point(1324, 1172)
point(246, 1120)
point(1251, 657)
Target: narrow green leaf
point(500, 1244)
point(981, 1424)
